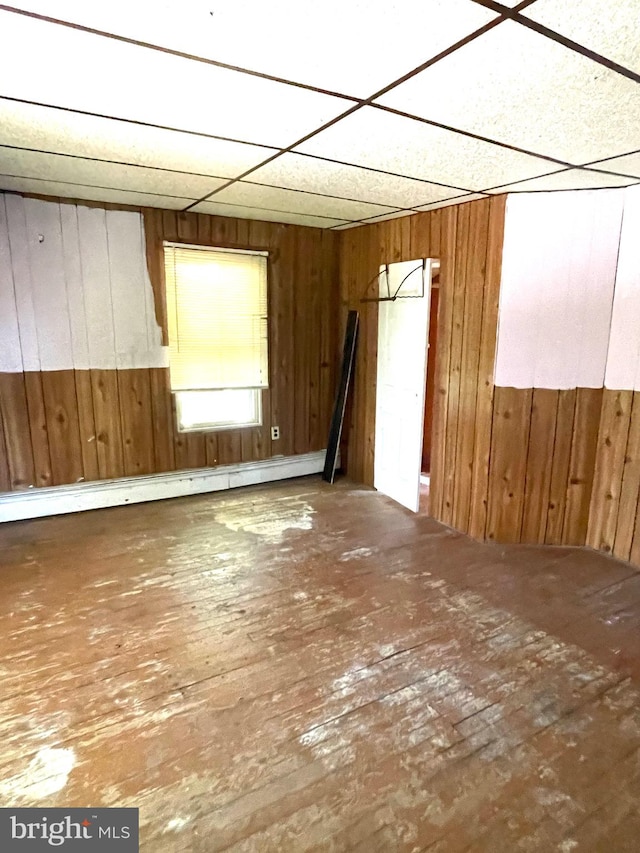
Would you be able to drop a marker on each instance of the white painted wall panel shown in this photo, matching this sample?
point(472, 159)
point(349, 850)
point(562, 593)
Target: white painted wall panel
point(74, 289)
point(17, 232)
point(558, 273)
point(597, 283)
point(127, 288)
point(623, 363)
point(48, 286)
point(75, 286)
point(94, 257)
point(10, 351)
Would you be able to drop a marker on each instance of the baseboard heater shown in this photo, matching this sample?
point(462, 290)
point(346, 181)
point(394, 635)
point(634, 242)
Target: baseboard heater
point(98, 494)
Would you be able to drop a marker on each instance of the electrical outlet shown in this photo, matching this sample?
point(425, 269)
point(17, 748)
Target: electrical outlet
point(275, 433)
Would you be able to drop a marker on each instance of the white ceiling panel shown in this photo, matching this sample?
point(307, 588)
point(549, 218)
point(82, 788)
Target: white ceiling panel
point(87, 72)
point(628, 165)
point(355, 48)
point(612, 29)
point(569, 179)
point(274, 198)
point(30, 185)
point(382, 140)
point(450, 201)
point(236, 210)
point(297, 171)
point(65, 132)
point(54, 167)
point(523, 89)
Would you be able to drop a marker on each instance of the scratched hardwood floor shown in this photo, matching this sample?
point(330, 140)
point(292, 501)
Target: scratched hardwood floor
point(300, 667)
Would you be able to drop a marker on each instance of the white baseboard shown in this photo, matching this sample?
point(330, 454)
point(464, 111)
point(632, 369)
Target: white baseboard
point(77, 497)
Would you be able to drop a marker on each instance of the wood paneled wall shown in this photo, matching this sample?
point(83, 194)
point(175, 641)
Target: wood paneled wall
point(468, 241)
point(543, 453)
point(64, 426)
point(565, 469)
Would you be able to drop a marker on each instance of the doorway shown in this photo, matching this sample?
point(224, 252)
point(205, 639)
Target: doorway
point(403, 380)
point(430, 389)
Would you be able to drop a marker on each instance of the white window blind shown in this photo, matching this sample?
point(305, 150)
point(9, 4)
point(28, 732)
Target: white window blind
point(217, 318)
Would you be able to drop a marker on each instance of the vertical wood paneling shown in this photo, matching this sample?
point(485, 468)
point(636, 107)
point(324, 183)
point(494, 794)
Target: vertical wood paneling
point(5, 475)
point(484, 401)
point(302, 338)
point(467, 239)
point(448, 236)
point(329, 323)
point(39, 435)
point(229, 446)
point(282, 296)
point(544, 413)
point(628, 506)
point(372, 254)
point(17, 433)
point(134, 391)
point(61, 406)
point(162, 419)
point(86, 425)
point(507, 473)
point(106, 410)
point(612, 443)
point(474, 285)
point(455, 365)
point(582, 465)
point(560, 466)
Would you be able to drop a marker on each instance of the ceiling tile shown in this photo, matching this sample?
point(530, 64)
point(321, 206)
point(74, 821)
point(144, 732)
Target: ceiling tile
point(299, 171)
point(383, 140)
point(65, 132)
point(627, 165)
point(614, 34)
point(370, 47)
point(458, 200)
point(274, 198)
point(100, 75)
point(30, 185)
point(264, 214)
point(569, 179)
point(523, 89)
point(54, 167)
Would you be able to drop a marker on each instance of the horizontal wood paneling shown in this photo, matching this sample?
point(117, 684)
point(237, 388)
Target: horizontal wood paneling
point(468, 241)
point(67, 425)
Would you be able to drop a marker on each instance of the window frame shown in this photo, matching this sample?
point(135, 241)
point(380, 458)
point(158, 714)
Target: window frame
point(221, 426)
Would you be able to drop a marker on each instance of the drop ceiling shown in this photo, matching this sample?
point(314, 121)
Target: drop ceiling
point(327, 115)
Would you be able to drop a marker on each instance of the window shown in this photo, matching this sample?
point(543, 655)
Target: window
point(218, 336)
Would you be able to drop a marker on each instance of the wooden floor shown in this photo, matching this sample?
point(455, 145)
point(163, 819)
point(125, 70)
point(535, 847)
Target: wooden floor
point(306, 667)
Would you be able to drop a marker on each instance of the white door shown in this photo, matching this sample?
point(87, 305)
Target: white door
point(403, 332)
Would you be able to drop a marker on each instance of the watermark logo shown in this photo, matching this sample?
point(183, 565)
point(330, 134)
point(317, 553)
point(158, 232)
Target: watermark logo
point(72, 830)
